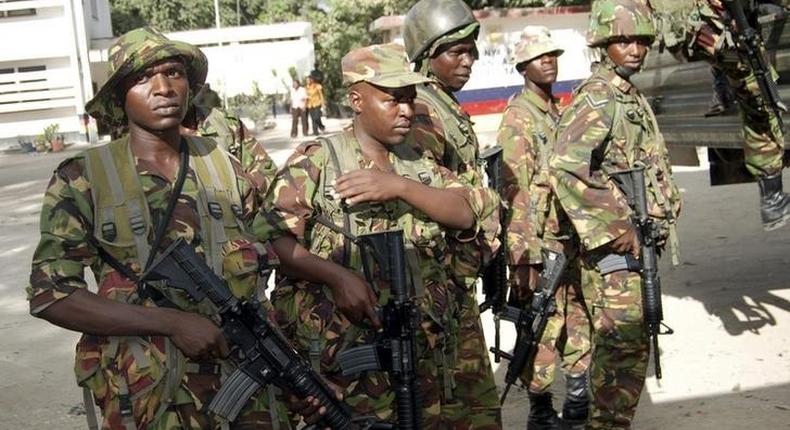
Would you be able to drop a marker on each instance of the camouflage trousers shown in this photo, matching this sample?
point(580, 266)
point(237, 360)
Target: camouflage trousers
point(763, 138)
point(567, 333)
point(620, 345)
point(455, 384)
point(473, 401)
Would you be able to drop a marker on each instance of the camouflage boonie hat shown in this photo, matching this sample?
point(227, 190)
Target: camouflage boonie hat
point(535, 41)
point(133, 52)
point(430, 24)
point(382, 65)
point(615, 18)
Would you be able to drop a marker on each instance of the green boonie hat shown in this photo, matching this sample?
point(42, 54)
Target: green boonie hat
point(616, 18)
point(535, 41)
point(132, 53)
point(382, 65)
point(430, 24)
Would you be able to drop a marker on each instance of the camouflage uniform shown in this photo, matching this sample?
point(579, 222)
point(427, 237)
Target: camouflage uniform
point(526, 136)
point(144, 381)
point(302, 191)
point(447, 135)
point(234, 137)
point(610, 127)
point(708, 38)
point(703, 33)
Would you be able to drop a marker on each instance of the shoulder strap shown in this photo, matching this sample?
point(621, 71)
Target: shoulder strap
point(121, 214)
point(330, 148)
point(219, 200)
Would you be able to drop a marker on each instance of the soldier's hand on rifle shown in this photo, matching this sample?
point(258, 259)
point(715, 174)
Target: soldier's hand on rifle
point(369, 185)
point(355, 298)
point(198, 337)
point(527, 276)
point(309, 408)
point(627, 242)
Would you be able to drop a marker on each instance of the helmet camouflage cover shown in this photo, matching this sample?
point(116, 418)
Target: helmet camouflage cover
point(430, 20)
point(610, 19)
point(134, 52)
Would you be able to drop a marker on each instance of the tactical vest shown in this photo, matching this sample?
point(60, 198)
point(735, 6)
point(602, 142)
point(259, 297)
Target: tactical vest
point(421, 232)
point(144, 374)
point(628, 121)
point(457, 127)
point(424, 238)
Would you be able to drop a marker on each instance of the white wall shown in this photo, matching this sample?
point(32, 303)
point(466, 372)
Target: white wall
point(56, 37)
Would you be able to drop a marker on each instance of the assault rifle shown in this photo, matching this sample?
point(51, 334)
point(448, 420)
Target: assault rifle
point(750, 47)
point(262, 353)
point(394, 351)
point(495, 274)
point(495, 286)
point(531, 321)
point(632, 183)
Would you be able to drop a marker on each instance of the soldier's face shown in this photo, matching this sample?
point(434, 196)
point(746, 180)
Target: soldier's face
point(453, 63)
point(629, 52)
point(541, 70)
point(384, 114)
point(156, 98)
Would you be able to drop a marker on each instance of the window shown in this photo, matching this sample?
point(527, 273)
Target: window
point(16, 12)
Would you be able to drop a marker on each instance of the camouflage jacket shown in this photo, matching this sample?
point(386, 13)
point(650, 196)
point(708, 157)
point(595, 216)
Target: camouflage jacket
point(609, 127)
point(68, 245)
point(234, 137)
point(526, 135)
point(300, 194)
point(444, 132)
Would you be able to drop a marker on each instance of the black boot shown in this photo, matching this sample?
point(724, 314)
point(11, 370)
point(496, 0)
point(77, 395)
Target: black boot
point(774, 203)
point(542, 415)
point(577, 403)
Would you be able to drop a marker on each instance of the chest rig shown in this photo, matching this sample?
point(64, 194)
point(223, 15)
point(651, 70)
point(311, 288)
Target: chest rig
point(423, 236)
point(462, 147)
point(121, 215)
point(635, 121)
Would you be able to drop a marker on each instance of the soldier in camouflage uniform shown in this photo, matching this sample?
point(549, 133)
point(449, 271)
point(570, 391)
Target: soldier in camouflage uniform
point(146, 366)
point(704, 33)
point(526, 136)
point(440, 40)
point(208, 119)
point(366, 179)
point(610, 127)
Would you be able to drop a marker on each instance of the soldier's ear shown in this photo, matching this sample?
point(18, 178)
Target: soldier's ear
point(355, 99)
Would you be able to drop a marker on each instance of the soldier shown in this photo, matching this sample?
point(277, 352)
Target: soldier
point(207, 118)
point(706, 35)
point(526, 136)
point(440, 40)
point(111, 208)
point(368, 178)
point(610, 127)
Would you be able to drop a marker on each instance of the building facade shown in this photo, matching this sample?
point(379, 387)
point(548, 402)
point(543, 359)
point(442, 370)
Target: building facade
point(45, 74)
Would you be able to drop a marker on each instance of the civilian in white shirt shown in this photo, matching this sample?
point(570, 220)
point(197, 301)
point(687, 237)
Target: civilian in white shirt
point(298, 108)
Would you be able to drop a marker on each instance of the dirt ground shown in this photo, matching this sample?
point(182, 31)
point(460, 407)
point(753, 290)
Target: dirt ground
point(726, 367)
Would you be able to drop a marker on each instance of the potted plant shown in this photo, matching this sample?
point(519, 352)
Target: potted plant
point(51, 137)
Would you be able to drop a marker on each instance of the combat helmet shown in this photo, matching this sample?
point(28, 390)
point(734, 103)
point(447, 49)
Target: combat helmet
point(429, 20)
point(614, 18)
